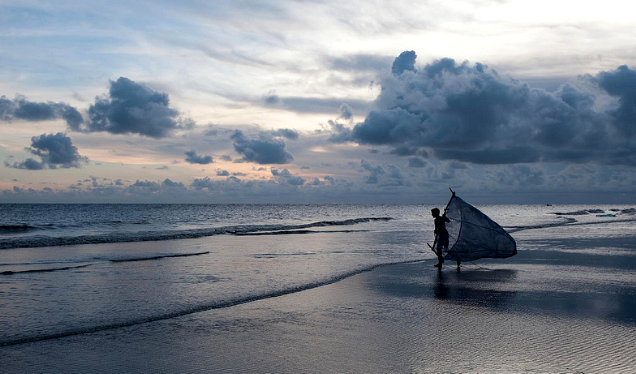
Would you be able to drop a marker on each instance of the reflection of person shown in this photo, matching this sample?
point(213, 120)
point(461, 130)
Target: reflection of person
point(442, 235)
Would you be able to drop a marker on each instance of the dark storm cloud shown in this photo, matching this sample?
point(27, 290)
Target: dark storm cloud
point(194, 158)
point(23, 109)
point(405, 61)
point(265, 150)
point(54, 150)
point(339, 133)
point(408, 151)
point(133, 108)
point(470, 113)
point(621, 83)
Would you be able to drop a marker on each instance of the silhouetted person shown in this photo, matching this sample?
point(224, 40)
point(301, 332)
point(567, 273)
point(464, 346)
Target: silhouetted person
point(442, 235)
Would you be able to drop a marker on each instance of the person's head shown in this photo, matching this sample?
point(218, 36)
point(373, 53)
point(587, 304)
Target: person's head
point(435, 212)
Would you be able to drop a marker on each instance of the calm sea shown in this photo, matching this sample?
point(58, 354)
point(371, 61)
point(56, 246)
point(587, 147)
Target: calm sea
point(70, 269)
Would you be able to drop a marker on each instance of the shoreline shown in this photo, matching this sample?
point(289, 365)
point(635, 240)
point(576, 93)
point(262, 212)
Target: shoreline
point(528, 313)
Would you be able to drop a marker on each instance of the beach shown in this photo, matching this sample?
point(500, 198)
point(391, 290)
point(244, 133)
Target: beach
point(531, 314)
point(564, 304)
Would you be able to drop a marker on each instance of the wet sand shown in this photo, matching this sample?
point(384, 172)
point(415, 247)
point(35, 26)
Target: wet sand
point(538, 312)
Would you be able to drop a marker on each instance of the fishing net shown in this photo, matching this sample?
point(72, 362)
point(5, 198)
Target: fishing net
point(473, 235)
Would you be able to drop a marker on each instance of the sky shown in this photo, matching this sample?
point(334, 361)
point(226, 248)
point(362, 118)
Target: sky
point(317, 101)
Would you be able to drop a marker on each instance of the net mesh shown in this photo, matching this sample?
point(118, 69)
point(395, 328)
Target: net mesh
point(473, 235)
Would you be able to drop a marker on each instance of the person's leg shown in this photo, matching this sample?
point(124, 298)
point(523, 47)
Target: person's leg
point(440, 258)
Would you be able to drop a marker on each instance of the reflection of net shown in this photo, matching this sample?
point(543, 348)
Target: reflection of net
point(473, 235)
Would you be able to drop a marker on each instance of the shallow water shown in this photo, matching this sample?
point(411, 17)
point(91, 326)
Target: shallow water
point(250, 253)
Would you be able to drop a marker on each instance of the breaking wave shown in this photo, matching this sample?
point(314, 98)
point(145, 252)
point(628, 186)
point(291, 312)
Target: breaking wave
point(295, 232)
point(158, 257)
point(45, 270)
point(13, 229)
point(51, 241)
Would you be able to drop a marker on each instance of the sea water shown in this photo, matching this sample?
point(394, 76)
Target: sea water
point(74, 269)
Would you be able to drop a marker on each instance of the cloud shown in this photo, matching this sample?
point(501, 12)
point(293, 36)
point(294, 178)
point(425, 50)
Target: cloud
point(287, 177)
point(133, 108)
point(225, 158)
point(203, 183)
point(314, 104)
point(143, 187)
point(405, 61)
point(470, 113)
point(223, 173)
point(147, 187)
point(359, 62)
point(54, 150)
point(621, 83)
point(167, 183)
point(339, 133)
point(374, 172)
point(286, 133)
point(346, 112)
point(194, 158)
point(417, 162)
point(271, 99)
point(265, 150)
point(23, 109)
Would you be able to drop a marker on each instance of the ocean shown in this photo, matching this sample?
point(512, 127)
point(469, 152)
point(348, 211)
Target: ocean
point(69, 270)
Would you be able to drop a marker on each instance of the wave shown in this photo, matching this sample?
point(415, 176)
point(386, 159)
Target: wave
point(569, 222)
point(579, 212)
point(12, 229)
point(583, 212)
point(114, 260)
point(158, 257)
point(48, 241)
point(199, 308)
point(46, 270)
point(20, 228)
point(274, 255)
point(566, 221)
point(295, 232)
